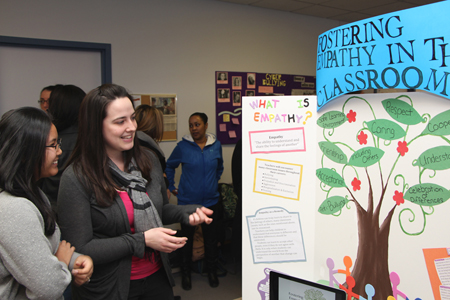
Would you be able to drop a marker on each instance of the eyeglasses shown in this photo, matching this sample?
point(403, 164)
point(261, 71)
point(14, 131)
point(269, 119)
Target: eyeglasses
point(57, 146)
point(41, 101)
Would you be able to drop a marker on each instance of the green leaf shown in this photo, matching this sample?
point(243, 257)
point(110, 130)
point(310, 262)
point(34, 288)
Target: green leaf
point(439, 125)
point(366, 156)
point(386, 129)
point(332, 205)
point(401, 111)
point(427, 194)
point(333, 152)
point(332, 119)
point(330, 177)
point(437, 158)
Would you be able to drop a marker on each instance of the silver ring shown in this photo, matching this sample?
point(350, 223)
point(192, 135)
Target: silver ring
point(89, 280)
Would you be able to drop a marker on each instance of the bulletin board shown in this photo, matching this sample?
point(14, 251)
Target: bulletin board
point(232, 86)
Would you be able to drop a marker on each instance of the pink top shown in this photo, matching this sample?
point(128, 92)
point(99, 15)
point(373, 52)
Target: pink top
point(140, 267)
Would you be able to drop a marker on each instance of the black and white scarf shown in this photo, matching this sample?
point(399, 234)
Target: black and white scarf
point(145, 214)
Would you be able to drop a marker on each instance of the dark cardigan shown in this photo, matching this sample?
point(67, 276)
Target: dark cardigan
point(104, 233)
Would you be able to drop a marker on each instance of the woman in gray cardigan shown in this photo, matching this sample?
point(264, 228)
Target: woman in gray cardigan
point(112, 203)
point(34, 263)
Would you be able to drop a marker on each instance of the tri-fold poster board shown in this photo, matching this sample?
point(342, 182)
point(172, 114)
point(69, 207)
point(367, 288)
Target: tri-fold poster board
point(351, 190)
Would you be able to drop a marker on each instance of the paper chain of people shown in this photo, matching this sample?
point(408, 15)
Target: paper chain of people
point(263, 285)
point(350, 281)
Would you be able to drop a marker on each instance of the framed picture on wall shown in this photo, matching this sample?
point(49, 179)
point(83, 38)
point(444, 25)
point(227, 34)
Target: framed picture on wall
point(223, 95)
point(167, 104)
point(237, 98)
point(251, 81)
point(222, 77)
point(237, 82)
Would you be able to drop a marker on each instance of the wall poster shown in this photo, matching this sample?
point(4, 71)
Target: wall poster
point(167, 104)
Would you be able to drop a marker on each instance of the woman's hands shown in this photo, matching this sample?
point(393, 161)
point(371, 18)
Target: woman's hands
point(83, 267)
point(82, 270)
point(64, 252)
point(162, 239)
point(200, 216)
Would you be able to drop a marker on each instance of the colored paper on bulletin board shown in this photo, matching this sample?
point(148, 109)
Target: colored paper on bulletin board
point(230, 87)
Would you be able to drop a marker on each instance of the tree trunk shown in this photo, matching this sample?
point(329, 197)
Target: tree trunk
point(371, 264)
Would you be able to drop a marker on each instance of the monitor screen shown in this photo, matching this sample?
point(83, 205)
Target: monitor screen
point(285, 287)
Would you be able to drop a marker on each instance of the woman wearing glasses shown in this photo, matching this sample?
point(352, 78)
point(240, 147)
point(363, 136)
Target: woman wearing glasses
point(34, 263)
point(45, 96)
point(112, 203)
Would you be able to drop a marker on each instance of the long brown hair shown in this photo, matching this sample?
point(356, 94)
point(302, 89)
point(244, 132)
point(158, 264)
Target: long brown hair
point(89, 158)
point(150, 121)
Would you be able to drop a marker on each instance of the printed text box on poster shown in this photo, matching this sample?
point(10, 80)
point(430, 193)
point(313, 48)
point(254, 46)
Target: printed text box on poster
point(276, 141)
point(279, 179)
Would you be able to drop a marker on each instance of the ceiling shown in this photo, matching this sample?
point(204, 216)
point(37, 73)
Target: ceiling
point(346, 11)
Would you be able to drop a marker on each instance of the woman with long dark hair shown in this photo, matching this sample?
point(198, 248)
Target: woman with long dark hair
point(64, 105)
point(34, 263)
point(112, 203)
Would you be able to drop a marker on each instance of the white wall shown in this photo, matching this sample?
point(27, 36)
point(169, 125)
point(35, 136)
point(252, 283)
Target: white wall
point(175, 46)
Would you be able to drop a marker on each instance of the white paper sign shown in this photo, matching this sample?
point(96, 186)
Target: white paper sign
point(276, 236)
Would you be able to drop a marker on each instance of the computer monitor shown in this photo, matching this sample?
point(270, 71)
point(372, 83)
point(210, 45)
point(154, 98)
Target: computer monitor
point(285, 287)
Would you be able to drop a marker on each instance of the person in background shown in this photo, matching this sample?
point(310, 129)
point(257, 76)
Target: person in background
point(150, 130)
point(44, 96)
point(34, 263)
point(64, 105)
point(236, 175)
point(200, 155)
point(112, 202)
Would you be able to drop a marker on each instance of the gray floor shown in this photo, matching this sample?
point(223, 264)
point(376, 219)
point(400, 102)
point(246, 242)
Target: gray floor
point(230, 286)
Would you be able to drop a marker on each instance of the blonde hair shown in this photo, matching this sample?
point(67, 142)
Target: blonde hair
point(150, 121)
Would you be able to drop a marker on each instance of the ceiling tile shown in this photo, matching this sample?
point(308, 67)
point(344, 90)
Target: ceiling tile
point(342, 10)
point(313, 1)
point(384, 9)
point(286, 5)
point(352, 17)
point(420, 2)
point(320, 11)
point(240, 1)
point(356, 5)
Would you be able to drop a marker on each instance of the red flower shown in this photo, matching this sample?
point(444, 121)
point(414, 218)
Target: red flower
point(398, 198)
point(362, 138)
point(402, 149)
point(356, 184)
point(351, 116)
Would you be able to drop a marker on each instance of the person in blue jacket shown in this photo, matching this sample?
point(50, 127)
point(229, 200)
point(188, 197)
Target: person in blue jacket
point(200, 155)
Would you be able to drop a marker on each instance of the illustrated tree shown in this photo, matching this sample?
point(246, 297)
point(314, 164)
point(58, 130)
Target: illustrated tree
point(373, 138)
